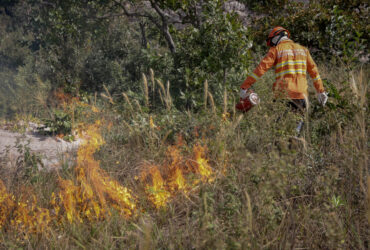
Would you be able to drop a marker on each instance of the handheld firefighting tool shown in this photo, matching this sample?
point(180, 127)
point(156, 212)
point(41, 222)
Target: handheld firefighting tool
point(248, 99)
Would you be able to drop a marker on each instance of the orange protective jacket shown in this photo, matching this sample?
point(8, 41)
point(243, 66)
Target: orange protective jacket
point(291, 62)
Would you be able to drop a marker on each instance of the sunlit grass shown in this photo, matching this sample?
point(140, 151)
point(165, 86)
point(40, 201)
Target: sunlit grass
point(267, 190)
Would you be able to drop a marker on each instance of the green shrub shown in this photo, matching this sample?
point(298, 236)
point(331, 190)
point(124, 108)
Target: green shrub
point(60, 123)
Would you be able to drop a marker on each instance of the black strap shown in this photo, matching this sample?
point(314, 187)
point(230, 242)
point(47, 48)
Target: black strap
point(281, 35)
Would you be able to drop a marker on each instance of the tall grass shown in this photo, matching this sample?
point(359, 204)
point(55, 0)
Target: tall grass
point(267, 194)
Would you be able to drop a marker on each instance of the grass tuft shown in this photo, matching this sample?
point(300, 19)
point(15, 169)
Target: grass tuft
point(268, 191)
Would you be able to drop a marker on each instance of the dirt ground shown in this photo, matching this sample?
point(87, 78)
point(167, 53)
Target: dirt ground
point(52, 151)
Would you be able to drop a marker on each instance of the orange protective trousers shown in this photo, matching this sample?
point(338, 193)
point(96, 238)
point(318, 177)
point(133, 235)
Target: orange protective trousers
point(291, 62)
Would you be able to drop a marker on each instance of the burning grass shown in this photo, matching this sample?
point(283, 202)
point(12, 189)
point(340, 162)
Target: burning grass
point(92, 194)
point(22, 214)
point(272, 195)
point(180, 175)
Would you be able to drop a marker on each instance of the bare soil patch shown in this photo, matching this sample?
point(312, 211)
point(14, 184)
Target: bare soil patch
point(53, 151)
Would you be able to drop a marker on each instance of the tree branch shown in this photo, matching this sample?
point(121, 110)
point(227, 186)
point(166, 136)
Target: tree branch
point(163, 26)
point(48, 3)
point(165, 30)
point(109, 15)
point(136, 14)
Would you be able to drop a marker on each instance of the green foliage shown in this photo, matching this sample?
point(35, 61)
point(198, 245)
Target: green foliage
point(22, 91)
point(263, 195)
point(331, 28)
point(8, 3)
point(27, 164)
point(210, 52)
point(54, 23)
point(347, 39)
point(61, 123)
point(271, 191)
point(85, 45)
point(219, 43)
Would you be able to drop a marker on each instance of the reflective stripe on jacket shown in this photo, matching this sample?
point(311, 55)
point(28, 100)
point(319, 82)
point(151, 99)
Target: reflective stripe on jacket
point(291, 62)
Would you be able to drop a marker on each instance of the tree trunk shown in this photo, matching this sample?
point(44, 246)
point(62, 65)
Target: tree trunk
point(144, 41)
point(168, 37)
point(165, 30)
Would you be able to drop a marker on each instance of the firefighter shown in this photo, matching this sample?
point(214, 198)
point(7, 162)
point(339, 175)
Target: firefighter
point(291, 61)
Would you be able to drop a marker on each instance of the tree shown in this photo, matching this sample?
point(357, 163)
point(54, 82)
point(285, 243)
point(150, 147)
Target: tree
point(204, 41)
point(220, 44)
point(72, 17)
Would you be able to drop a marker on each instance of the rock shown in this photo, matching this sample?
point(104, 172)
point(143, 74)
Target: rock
point(52, 151)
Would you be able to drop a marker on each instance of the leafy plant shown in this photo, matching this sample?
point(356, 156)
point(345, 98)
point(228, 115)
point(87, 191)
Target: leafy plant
point(28, 163)
point(61, 123)
point(334, 28)
point(210, 52)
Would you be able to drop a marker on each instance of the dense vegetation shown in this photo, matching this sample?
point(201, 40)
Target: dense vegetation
point(161, 70)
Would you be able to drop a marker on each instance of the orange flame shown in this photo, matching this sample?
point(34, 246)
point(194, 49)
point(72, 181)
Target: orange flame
point(202, 167)
point(7, 202)
point(161, 189)
point(176, 180)
point(26, 216)
point(93, 194)
point(90, 196)
point(96, 192)
point(157, 192)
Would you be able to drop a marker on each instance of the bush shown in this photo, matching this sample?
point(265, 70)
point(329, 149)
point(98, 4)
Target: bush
point(329, 28)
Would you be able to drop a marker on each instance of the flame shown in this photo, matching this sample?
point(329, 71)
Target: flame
point(157, 192)
point(95, 191)
point(177, 181)
point(7, 202)
point(28, 217)
point(163, 188)
point(25, 216)
point(176, 178)
point(202, 167)
point(92, 194)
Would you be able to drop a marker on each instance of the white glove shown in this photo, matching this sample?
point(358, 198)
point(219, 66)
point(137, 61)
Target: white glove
point(322, 98)
point(254, 99)
point(244, 93)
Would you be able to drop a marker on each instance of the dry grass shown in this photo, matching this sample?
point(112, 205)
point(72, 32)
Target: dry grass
point(212, 102)
point(146, 90)
point(268, 193)
point(205, 94)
